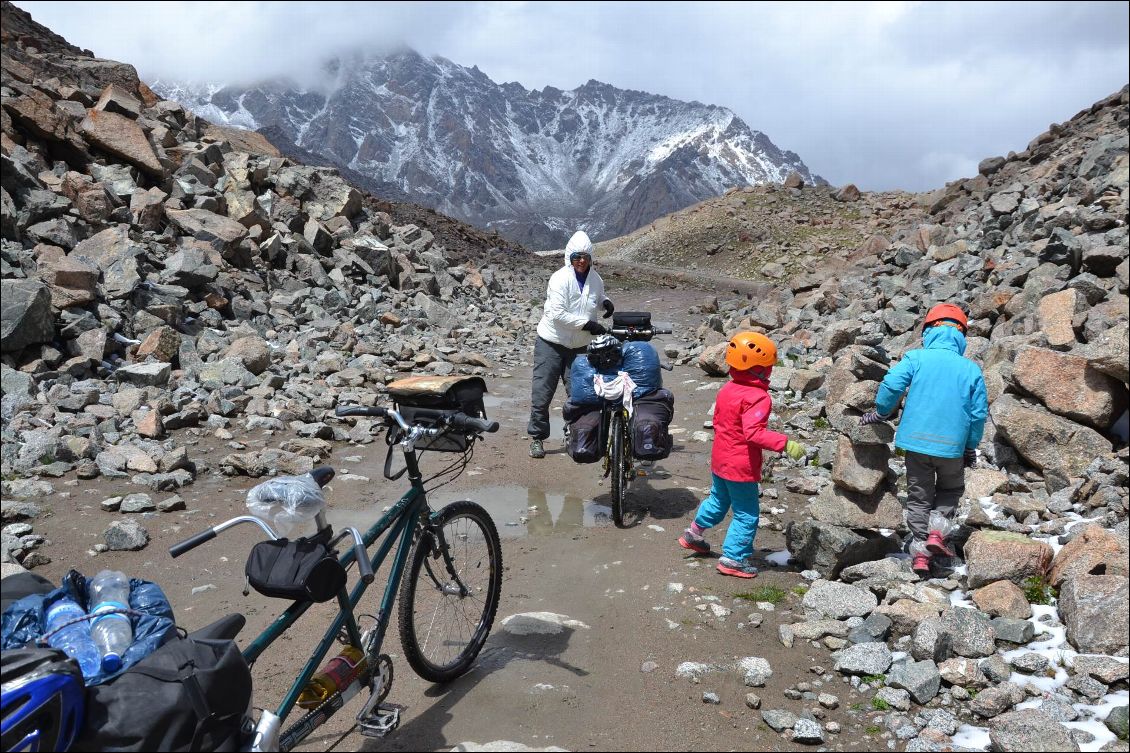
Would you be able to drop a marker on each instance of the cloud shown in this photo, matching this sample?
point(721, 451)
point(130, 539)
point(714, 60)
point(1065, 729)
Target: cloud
point(883, 94)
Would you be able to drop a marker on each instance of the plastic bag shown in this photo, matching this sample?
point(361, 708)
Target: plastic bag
point(941, 524)
point(286, 501)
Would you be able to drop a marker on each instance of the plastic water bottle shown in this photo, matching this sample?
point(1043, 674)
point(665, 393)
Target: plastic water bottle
point(112, 633)
point(74, 640)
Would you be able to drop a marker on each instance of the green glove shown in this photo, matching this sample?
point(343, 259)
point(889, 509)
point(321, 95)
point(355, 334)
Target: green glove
point(795, 450)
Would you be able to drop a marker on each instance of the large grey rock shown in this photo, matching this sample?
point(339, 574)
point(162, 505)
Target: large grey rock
point(122, 137)
point(1110, 353)
point(115, 254)
point(779, 719)
point(838, 601)
point(25, 314)
point(808, 732)
point(996, 700)
point(920, 679)
point(754, 671)
point(126, 535)
point(145, 374)
point(1029, 730)
point(860, 468)
point(970, 633)
point(1049, 442)
point(207, 226)
point(828, 548)
point(1096, 609)
point(840, 506)
point(864, 659)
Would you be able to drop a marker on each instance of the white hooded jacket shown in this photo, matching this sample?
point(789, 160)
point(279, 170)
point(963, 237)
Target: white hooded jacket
point(568, 307)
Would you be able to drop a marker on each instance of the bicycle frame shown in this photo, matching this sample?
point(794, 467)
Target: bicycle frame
point(400, 522)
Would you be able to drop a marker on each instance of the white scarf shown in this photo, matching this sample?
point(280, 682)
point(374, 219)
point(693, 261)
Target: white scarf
point(619, 388)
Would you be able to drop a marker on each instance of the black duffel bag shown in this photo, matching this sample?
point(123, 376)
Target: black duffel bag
point(188, 695)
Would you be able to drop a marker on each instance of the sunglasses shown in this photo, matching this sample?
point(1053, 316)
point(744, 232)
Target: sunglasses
point(580, 257)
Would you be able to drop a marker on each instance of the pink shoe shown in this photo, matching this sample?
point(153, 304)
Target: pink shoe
point(739, 569)
point(920, 564)
point(937, 545)
point(694, 542)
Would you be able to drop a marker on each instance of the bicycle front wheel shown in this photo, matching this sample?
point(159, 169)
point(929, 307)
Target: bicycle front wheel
point(617, 449)
point(449, 599)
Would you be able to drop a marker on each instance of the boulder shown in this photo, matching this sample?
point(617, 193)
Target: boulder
point(999, 555)
point(828, 548)
point(25, 314)
point(122, 137)
point(1002, 599)
point(838, 601)
point(1093, 551)
point(1110, 352)
point(1069, 386)
point(1029, 730)
point(860, 468)
point(1049, 442)
point(1095, 609)
point(253, 352)
point(1056, 313)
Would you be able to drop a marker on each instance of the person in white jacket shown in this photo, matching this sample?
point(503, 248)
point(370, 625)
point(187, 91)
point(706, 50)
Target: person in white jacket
point(572, 299)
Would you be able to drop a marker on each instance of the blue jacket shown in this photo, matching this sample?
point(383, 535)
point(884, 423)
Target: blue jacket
point(946, 404)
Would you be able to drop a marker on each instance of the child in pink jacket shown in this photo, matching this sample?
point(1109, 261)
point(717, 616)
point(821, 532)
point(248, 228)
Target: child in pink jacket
point(741, 416)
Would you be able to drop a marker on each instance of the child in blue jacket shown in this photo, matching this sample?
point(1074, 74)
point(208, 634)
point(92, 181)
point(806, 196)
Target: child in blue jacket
point(941, 426)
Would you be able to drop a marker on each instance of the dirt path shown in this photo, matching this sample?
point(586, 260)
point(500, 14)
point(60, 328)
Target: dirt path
point(608, 683)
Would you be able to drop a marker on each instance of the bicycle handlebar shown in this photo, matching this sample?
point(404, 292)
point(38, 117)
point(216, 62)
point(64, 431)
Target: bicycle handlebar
point(180, 548)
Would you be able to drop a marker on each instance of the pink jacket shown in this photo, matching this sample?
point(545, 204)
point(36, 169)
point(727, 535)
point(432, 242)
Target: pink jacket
point(741, 414)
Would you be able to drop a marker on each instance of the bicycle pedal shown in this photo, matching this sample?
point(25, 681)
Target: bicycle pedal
point(383, 720)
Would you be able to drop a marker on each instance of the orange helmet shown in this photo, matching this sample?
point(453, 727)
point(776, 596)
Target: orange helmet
point(947, 312)
point(750, 349)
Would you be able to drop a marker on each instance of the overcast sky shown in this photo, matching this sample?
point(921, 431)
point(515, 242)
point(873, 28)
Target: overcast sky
point(885, 95)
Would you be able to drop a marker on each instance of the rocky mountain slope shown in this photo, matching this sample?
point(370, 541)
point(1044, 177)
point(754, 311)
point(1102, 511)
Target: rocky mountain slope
point(162, 273)
point(535, 165)
point(1022, 643)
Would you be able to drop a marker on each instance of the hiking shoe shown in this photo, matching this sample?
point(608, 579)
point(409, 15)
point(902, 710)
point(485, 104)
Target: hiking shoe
point(694, 542)
point(937, 545)
point(537, 450)
point(739, 569)
point(920, 564)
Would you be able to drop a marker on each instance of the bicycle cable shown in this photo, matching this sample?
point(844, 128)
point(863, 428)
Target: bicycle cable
point(455, 469)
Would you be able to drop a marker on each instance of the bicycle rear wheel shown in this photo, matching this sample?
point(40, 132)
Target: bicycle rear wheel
point(616, 450)
point(448, 603)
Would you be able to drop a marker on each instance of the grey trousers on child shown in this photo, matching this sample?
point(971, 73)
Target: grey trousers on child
point(931, 484)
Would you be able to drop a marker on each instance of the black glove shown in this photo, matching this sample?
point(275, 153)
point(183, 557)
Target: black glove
point(608, 308)
point(594, 328)
point(872, 417)
point(969, 458)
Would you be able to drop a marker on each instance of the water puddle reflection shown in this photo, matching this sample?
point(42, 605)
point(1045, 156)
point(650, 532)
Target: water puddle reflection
point(516, 510)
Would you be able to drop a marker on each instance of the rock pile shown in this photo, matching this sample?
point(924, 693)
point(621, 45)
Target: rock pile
point(162, 274)
point(1031, 630)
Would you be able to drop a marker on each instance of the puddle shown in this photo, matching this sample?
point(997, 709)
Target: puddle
point(509, 506)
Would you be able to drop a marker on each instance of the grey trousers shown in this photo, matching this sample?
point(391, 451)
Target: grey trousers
point(931, 484)
point(552, 363)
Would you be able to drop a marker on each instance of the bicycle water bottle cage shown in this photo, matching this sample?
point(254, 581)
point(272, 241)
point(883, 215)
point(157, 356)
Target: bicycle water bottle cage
point(302, 570)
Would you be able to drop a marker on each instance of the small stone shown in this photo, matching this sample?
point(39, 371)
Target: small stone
point(828, 700)
point(111, 504)
point(753, 700)
point(648, 667)
point(711, 698)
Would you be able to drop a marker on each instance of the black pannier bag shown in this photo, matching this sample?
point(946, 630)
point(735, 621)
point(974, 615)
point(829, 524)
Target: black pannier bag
point(188, 695)
point(651, 419)
point(458, 393)
point(584, 444)
point(302, 570)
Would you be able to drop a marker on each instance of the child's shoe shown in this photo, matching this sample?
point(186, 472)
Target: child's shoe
point(739, 569)
point(936, 543)
point(694, 542)
point(920, 558)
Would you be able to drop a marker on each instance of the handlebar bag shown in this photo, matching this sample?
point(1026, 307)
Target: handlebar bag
point(631, 320)
point(450, 393)
point(189, 695)
point(302, 570)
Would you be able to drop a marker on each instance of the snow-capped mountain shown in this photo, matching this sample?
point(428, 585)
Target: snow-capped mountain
point(535, 165)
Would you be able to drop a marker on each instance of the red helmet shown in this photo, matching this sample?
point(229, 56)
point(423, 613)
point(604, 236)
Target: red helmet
point(947, 312)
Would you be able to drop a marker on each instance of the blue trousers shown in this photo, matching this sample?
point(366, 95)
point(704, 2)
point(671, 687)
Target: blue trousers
point(745, 499)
